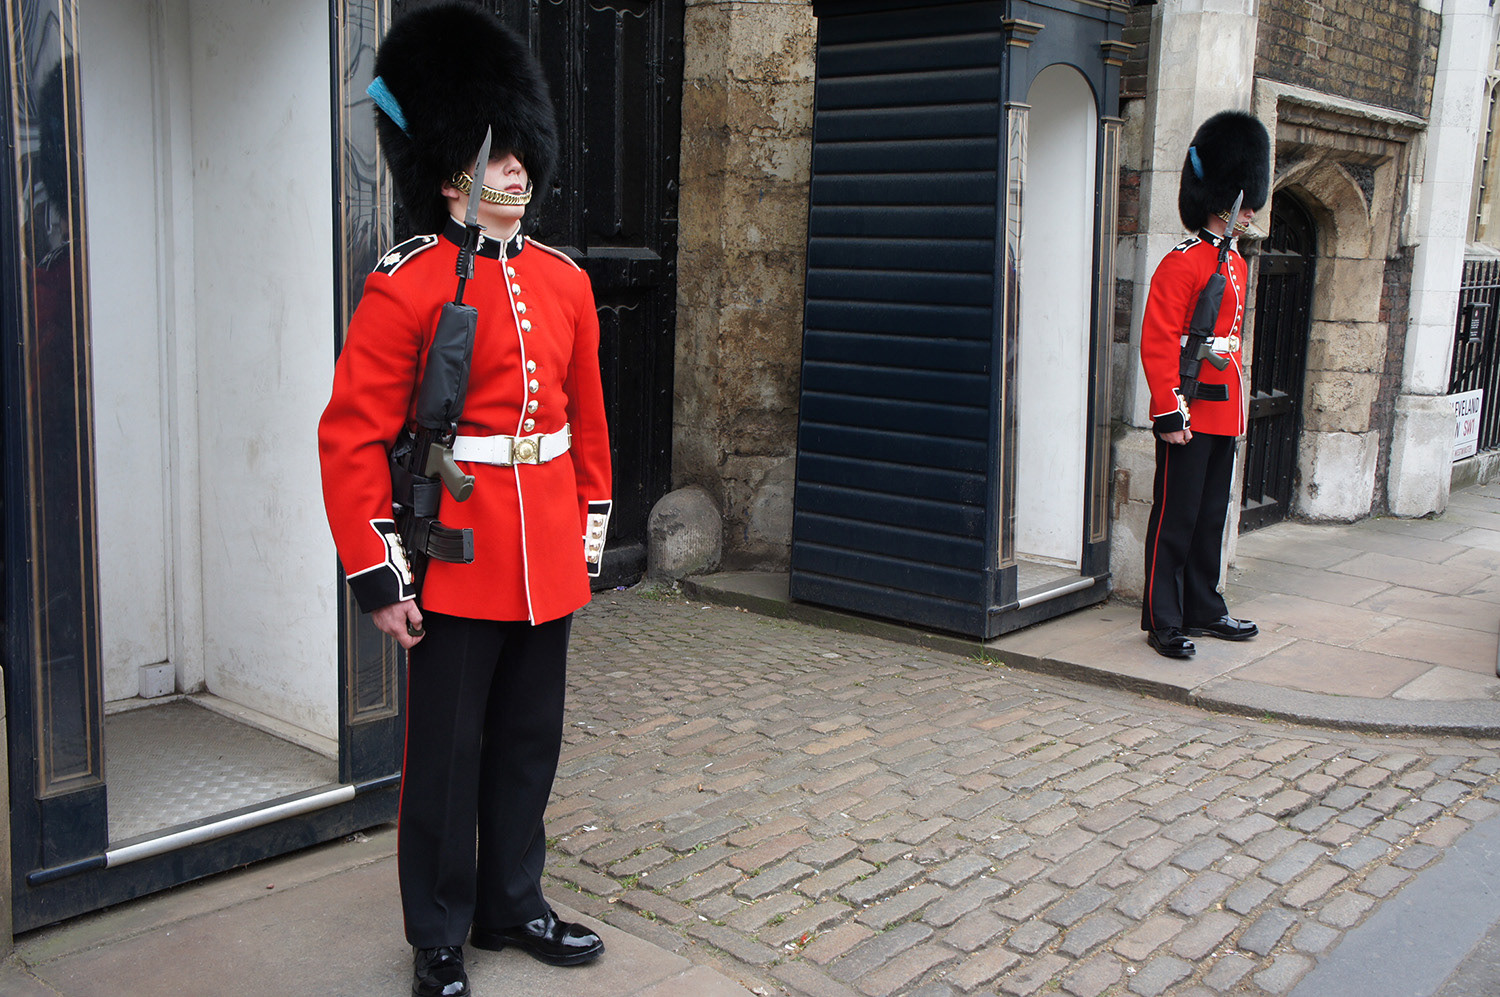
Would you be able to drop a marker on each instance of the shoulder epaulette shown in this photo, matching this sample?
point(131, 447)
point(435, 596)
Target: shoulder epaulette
point(1186, 244)
point(392, 261)
point(555, 252)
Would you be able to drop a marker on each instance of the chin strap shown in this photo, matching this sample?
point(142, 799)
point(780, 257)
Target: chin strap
point(1237, 228)
point(463, 182)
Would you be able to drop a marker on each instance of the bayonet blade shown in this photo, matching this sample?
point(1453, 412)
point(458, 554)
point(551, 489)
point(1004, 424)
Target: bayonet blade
point(471, 217)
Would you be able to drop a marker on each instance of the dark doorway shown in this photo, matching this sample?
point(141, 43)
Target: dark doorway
point(615, 68)
point(1283, 316)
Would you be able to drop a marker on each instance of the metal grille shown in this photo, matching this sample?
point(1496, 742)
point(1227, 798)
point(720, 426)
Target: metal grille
point(1476, 353)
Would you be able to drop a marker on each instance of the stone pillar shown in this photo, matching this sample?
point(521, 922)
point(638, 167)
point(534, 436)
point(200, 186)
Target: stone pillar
point(1422, 436)
point(746, 163)
point(1338, 447)
point(1202, 61)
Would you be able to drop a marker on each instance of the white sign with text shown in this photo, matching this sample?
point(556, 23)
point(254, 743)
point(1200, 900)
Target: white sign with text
point(1467, 407)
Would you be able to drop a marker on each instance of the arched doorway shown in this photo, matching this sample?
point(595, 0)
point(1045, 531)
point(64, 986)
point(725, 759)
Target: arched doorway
point(1278, 365)
point(1052, 376)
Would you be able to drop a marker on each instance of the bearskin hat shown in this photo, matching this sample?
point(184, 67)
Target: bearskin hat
point(444, 73)
point(1231, 152)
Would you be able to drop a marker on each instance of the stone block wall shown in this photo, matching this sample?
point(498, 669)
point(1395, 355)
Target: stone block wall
point(1395, 300)
point(746, 163)
point(1380, 52)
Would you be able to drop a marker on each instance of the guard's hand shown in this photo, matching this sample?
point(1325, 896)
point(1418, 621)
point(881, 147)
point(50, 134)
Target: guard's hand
point(1179, 437)
point(402, 620)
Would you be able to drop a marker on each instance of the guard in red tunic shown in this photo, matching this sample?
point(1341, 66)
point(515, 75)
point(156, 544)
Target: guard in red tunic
point(1197, 428)
point(488, 639)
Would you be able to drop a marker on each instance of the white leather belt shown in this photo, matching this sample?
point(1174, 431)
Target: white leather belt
point(1225, 344)
point(508, 450)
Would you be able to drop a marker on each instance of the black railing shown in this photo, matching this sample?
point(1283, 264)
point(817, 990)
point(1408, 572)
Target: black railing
point(1476, 344)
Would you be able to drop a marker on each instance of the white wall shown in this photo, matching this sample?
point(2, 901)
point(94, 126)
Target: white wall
point(262, 212)
point(1057, 244)
point(124, 281)
point(207, 165)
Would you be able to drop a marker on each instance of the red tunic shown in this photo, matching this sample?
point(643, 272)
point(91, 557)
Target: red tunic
point(1169, 309)
point(535, 370)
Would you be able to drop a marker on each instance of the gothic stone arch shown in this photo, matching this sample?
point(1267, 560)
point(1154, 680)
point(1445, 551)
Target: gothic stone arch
point(1349, 165)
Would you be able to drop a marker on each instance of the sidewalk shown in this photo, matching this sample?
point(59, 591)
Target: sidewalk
point(1382, 625)
point(326, 922)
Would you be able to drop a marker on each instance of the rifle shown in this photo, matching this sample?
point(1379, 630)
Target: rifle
point(422, 457)
point(1200, 335)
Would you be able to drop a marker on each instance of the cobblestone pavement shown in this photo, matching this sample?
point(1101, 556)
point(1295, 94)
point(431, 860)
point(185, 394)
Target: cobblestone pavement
point(828, 814)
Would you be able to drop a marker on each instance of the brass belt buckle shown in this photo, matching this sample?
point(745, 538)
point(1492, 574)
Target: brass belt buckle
point(526, 451)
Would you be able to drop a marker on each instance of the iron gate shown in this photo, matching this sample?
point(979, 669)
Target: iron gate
point(1283, 305)
point(1475, 360)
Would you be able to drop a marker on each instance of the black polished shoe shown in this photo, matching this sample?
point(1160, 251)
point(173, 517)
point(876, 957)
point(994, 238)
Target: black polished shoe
point(439, 972)
point(559, 943)
point(1224, 628)
point(1170, 642)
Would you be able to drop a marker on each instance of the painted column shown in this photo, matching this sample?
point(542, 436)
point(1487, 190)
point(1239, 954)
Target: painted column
point(1422, 435)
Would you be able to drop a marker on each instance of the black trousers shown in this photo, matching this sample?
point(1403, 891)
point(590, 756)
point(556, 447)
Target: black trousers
point(1185, 536)
point(484, 715)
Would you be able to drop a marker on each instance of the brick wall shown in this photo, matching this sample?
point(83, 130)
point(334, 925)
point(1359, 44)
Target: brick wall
point(1381, 52)
point(1137, 32)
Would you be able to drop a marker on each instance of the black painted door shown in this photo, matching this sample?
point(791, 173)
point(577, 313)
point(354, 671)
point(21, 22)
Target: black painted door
point(1283, 317)
point(615, 69)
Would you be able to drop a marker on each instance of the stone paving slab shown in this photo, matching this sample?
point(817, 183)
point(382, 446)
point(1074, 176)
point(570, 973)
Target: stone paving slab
point(1387, 624)
point(326, 921)
point(864, 817)
point(1312, 666)
point(1439, 644)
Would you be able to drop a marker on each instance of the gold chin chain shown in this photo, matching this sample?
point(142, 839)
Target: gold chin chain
point(1236, 228)
point(463, 182)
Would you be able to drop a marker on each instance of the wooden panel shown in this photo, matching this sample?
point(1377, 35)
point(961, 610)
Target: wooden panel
point(896, 416)
point(864, 380)
point(921, 546)
point(955, 221)
point(900, 416)
point(873, 477)
point(944, 517)
point(52, 666)
point(919, 576)
point(911, 352)
point(957, 615)
point(946, 255)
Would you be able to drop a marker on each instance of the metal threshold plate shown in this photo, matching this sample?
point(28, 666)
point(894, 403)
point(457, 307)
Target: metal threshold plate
point(178, 762)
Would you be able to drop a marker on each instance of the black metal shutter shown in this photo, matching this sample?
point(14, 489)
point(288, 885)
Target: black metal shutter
point(896, 423)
